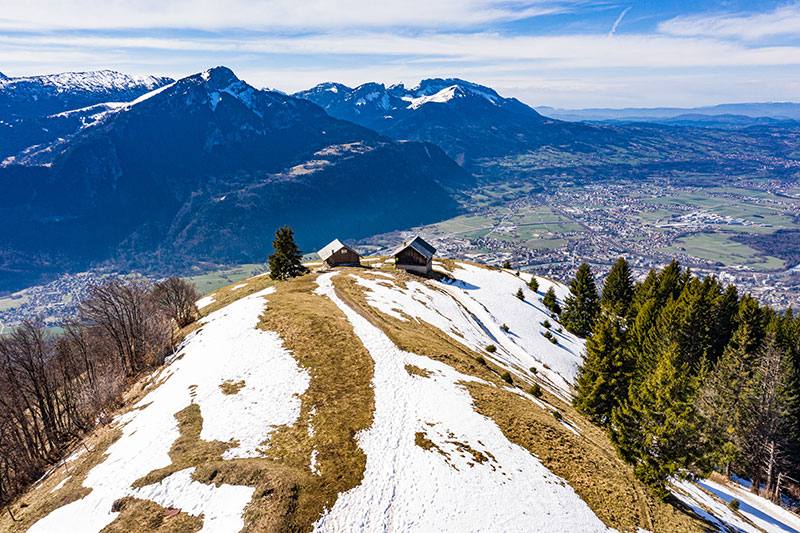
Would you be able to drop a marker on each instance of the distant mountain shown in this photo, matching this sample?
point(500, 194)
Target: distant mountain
point(467, 120)
point(40, 109)
point(709, 121)
point(206, 168)
point(54, 93)
point(775, 110)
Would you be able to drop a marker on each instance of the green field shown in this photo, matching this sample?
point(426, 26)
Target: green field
point(719, 247)
point(213, 280)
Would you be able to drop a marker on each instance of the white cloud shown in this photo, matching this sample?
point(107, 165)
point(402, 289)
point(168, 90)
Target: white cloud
point(784, 20)
point(266, 14)
point(566, 51)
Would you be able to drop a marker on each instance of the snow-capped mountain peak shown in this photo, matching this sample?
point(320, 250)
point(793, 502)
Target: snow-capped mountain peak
point(95, 80)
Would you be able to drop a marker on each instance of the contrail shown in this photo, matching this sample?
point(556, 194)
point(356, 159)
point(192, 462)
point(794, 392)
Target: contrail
point(616, 22)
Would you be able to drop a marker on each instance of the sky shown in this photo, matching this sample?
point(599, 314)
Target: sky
point(564, 53)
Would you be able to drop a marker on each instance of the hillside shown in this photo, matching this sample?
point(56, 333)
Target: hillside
point(362, 399)
point(205, 169)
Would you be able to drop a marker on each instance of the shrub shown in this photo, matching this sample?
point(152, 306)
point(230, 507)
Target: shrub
point(560, 330)
point(520, 294)
point(507, 264)
point(553, 340)
point(533, 370)
point(734, 504)
point(505, 376)
point(546, 324)
point(481, 360)
point(557, 415)
point(491, 348)
point(176, 297)
point(535, 390)
point(533, 284)
point(547, 335)
point(504, 328)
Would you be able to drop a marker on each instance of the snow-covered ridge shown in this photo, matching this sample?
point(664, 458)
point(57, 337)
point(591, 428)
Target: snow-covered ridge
point(92, 81)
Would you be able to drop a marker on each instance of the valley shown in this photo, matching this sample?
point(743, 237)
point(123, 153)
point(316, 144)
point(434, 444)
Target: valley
point(551, 230)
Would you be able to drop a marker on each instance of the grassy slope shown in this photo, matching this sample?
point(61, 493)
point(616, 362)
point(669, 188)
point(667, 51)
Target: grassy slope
point(588, 463)
point(339, 403)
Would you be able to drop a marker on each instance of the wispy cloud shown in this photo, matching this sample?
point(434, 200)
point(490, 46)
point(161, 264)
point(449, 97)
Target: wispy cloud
point(267, 14)
point(616, 22)
point(784, 20)
point(512, 44)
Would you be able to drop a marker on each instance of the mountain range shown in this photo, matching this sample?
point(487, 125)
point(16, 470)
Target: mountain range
point(778, 111)
point(206, 168)
point(470, 122)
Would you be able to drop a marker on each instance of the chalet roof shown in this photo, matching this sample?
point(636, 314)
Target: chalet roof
point(332, 247)
point(418, 244)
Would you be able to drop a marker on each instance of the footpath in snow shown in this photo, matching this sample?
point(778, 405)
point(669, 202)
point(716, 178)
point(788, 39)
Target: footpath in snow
point(227, 347)
point(471, 478)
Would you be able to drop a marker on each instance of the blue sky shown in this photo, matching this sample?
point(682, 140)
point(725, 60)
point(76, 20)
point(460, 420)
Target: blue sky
point(568, 53)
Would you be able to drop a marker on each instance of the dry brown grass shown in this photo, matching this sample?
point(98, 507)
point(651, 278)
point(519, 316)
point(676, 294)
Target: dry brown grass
point(339, 401)
point(143, 515)
point(417, 371)
point(229, 387)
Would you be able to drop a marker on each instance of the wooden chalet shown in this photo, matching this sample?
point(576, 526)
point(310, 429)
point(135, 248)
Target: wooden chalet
point(338, 253)
point(415, 255)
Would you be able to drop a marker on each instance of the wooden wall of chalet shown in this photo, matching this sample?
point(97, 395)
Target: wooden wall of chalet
point(409, 256)
point(343, 256)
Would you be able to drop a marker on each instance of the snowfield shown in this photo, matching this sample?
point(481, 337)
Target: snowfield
point(472, 479)
point(227, 347)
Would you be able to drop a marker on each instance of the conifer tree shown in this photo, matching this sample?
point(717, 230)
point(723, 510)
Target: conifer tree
point(533, 284)
point(644, 341)
point(551, 302)
point(582, 305)
point(286, 260)
point(618, 289)
point(605, 374)
point(657, 428)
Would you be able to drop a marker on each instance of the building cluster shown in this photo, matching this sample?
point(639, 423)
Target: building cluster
point(415, 255)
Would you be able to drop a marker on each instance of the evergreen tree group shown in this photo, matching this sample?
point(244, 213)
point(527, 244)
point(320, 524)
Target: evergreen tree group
point(684, 373)
point(286, 260)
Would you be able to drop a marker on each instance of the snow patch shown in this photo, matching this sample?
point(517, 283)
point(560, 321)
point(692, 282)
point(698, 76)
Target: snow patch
point(60, 484)
point(497, 484)
point(221, 506)
point(205, 301)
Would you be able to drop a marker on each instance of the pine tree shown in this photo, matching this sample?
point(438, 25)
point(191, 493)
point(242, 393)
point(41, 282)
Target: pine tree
point(657, 428)
point(606, 372)
point(533, 284)
point(551, 302)
point(286, 261)
point(618, 289)
point(582, 305)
